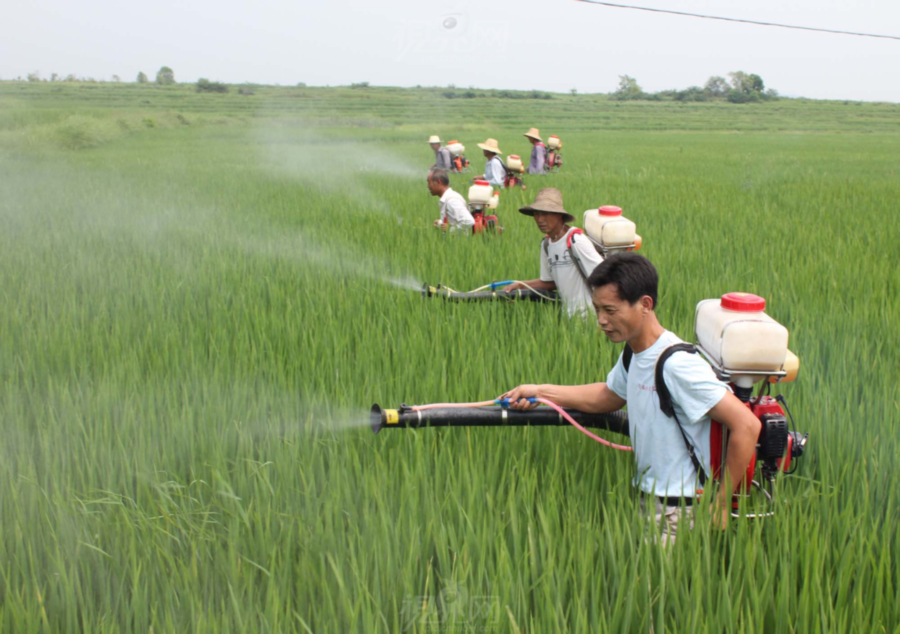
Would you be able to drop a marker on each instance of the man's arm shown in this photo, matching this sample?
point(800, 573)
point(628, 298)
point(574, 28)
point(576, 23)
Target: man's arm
point(595, 398)
point(538, 285)
point(744, 430)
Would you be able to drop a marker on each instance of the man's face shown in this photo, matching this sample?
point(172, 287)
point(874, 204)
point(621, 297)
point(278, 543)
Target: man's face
point(533, 141)
point(548, 223)
point(433, 187)
point(487, 155)
point(619, 320)
point(435, 146)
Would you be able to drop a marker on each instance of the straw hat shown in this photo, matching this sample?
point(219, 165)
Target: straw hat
point(533, 133)
point(434, 139)
point(548, 200)
point(491, 146)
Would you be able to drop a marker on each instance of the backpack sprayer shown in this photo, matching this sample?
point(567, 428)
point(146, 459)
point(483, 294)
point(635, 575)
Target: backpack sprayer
point(554, 154)
point(459, 162)
point(741, 343)
point(482, 199)
point(745, 346)
point(515, 171)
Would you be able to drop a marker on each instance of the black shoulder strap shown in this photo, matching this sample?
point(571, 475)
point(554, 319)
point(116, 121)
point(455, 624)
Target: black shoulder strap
point(665, 397)
point(545, 243)
point(627, 354)
point(665, 401)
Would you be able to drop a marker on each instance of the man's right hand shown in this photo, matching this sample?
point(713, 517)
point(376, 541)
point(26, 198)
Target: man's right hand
point(518, 395)
point(515, 286)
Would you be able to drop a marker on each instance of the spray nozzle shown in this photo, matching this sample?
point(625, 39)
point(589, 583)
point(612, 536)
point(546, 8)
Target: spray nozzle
point(494, 285)
point(505, 402)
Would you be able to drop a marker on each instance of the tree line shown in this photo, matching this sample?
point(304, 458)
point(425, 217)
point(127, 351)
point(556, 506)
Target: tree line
point(742, 88)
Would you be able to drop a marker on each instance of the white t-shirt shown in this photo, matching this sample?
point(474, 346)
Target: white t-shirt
point(664, 466)
point(454, 208)
point(557, 266)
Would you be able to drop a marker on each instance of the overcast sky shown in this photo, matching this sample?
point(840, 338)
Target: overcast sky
point(551, 45)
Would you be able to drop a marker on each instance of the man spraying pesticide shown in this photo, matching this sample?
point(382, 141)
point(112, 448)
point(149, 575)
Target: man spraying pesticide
point(455, 214)
point(568, 255)
point(538, 161)
point(443, 159)
point(673, 396)
point(494, 170)
point(689, 422)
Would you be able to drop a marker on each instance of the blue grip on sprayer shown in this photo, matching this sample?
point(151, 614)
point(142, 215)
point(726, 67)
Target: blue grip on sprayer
point(505, 402)
point(499, 284)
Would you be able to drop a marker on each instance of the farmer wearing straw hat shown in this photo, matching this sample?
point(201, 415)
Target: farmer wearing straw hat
point(538, 152)
point(494, 169)
point(442, 158)
point(567, 259)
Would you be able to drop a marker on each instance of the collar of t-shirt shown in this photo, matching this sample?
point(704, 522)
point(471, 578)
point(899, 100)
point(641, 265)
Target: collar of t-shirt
point(563, 237)
point(447, 194)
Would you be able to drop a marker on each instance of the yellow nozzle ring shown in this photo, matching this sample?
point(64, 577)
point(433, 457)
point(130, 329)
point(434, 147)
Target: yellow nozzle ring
point(391, 416)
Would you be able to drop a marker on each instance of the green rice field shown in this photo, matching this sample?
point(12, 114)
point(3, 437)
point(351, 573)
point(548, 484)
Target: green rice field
point(203, 295)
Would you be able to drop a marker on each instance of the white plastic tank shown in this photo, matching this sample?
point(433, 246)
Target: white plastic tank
point(495, 200)
point(553, 143)
point(609, 227)
point(514, 163)
point(456, 148)
point(739, 335)
point(480, 193)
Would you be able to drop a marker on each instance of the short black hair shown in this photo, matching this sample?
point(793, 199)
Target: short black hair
point(439, 176)
point(633, 276)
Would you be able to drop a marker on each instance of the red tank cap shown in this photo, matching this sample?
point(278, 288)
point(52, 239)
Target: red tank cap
point(514, 156)
point(496, 193)
point(610, 210)
point(452, 142)
point(743, 302)
point(482, 183)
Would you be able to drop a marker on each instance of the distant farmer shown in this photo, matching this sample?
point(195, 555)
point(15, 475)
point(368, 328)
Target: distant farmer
point(455, 213)
point(538, 152)
point(672, 453)
point(567, 257)
point(442, 158)
point(494, 170)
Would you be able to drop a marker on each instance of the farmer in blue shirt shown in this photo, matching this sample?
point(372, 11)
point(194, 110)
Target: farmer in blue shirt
point(494, 170)
point(625, 298)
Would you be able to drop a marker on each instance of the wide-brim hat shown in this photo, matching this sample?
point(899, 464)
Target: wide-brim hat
point(491, 146)
point(434, 139)
point(548, 200)
point(534, 134)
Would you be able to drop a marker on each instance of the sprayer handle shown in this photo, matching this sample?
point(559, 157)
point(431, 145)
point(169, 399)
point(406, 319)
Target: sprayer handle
point(505, 402)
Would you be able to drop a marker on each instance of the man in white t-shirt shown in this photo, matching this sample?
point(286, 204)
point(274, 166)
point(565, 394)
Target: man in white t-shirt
point(625, 298)
point(567, 256)
point(455, 212)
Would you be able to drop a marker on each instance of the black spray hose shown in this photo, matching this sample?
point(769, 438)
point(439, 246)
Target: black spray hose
point(489, 295)
point(406, 418)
